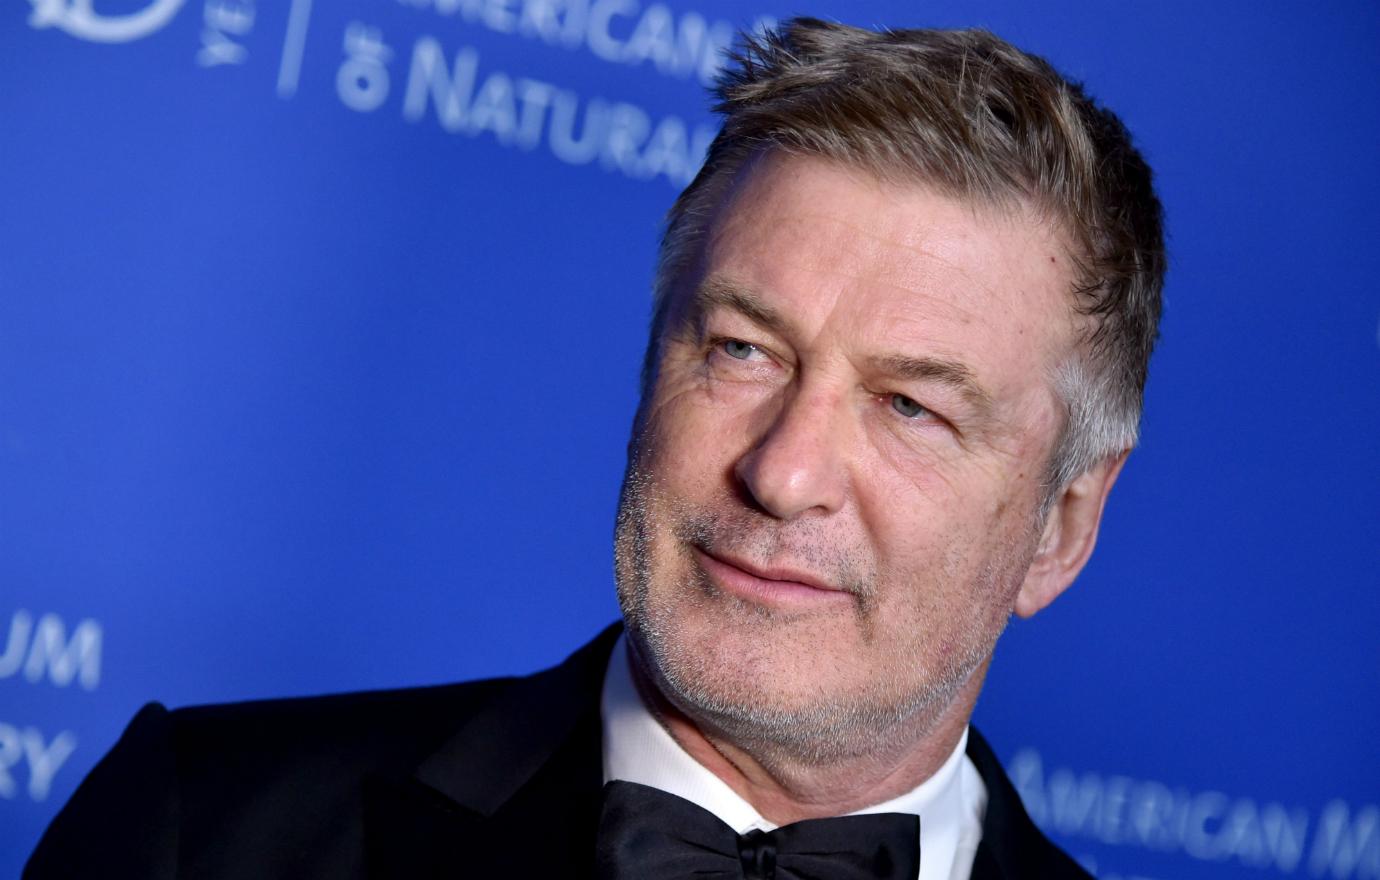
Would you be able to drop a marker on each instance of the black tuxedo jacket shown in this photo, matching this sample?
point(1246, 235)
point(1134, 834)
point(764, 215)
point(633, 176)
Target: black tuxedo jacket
point(498, 778)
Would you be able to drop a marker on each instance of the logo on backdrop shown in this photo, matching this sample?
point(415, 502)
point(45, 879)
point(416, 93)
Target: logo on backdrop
point(80, 19)
point(1339, 841)
point(43, 651)
point(418, 76)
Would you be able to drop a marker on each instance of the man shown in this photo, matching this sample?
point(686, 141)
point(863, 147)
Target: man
point(901, 327)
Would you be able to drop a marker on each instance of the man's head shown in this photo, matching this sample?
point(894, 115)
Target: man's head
point(899, 344)
point(973, 117)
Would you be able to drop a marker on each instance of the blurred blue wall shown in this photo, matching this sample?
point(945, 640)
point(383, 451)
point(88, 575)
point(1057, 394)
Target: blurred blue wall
point(319, 333)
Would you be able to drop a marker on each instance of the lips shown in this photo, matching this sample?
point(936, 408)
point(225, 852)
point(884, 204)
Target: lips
point(776, 585)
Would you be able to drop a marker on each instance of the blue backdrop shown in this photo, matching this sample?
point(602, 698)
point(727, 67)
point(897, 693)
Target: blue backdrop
point(319, 333)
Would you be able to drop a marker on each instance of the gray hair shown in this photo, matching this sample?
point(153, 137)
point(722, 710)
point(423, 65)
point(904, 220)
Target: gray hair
point(976, 118)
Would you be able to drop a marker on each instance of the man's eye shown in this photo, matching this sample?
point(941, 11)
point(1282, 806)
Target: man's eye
point(907, 407)
point(736, 348)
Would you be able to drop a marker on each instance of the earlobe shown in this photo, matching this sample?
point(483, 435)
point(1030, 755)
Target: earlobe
point(1069, 535)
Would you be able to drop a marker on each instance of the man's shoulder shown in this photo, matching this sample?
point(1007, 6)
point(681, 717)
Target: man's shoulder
point(394, 729)
point(281, 787)
point(268, 780)
point(398, 726)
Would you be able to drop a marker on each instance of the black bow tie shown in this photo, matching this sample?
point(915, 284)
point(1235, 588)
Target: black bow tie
point(649, 834)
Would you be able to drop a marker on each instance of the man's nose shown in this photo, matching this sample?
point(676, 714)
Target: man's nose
point(798, 465)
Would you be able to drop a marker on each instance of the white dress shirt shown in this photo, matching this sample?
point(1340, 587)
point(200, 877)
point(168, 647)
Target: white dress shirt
point(637, 748)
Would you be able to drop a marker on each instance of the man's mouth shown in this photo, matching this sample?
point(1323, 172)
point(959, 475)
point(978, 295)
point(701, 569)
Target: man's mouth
point(778, 586)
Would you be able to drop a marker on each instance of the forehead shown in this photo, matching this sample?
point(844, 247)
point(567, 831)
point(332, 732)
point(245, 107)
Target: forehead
point(863, 263)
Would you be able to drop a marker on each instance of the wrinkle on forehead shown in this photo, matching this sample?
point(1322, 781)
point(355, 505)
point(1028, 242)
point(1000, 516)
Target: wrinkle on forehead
point(877, 242)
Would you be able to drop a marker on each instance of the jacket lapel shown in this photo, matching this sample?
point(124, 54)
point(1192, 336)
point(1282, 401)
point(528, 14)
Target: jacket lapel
point(515, 792)
point(998, 854)
point(985, 865)
point(1011, 847)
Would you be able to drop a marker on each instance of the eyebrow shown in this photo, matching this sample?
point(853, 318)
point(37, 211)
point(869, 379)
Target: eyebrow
point(930, 369)
point(721, 293)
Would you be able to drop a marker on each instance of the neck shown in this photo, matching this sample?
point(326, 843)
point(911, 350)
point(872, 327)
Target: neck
point(785, 788)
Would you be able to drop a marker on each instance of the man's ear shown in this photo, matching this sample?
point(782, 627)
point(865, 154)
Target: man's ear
point(1069, 535)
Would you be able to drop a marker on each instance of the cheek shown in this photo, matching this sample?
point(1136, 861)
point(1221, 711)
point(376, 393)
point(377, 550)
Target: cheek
point(694, 428)
point(684, 462)
point(936, 488)
point(921, 507)
point(679, 438)
point(956, 552)
point(914, 475)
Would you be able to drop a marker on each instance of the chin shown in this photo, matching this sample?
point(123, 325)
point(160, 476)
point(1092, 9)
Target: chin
point(767, 694)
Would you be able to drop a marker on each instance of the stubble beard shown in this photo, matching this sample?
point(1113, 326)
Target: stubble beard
point(723, 694)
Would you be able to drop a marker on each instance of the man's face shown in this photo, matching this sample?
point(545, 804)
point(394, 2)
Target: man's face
point(833, 495)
